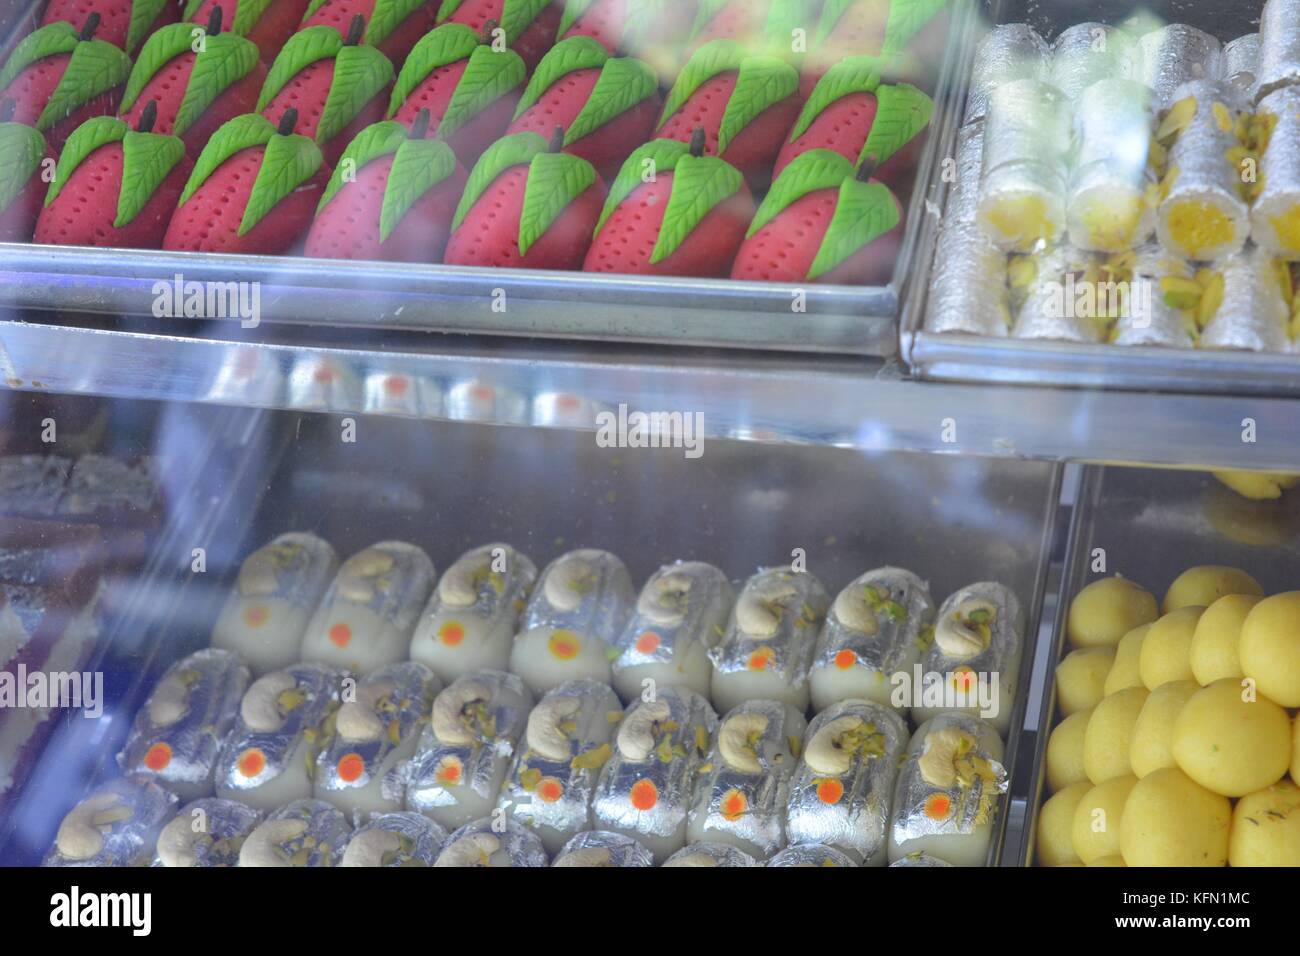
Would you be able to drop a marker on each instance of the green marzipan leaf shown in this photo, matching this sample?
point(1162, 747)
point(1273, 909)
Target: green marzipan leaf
point(622, 84)
point(567, 56)
point(159, 50)
point(247, 14)
point(708, 10)
point(302, 50)
point(143, 15)
point(226, 59)
point(906, 18)
point(147, 158)
point(663, 154)
point(446, 44)
point(640, 19)
point(513, 150)
point(360, 74)
point(518, 15)
point(573, 11)
point(388, 15)
point(95, 67)
point(488, 76)
point(762, 82)
point(554, 181)
point(50, 40)
point(316, 5)
point(447, 9)
point(902, 111)
point(856, 74)
point(807, 173)
point(716, 56)
point(85, 139)
point(21, 150)
point(864, 213)
point(377, 139)
point(832, 12)
point(783, 17)
point(191, 8)
point(288, 163)
point(420, 164)
point(699, 184)
point(239, 133)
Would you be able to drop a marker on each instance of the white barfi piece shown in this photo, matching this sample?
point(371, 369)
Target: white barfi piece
point(680, 614)
point(710, 854)
point(207, 832)
point(602, 848)
point(770, 639)
point(307, 833)
point(497, 842)
point(366, 618)
point(115, 826)
point(811, 854)
point(471, 619)
point(575, 615)
point(395, 839)
point(279, 587)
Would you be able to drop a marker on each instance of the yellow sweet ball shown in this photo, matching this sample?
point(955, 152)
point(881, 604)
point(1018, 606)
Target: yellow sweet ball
point(1128, 653)
point(1295, 751)
point(1266, 827)
point(1171, 820)
point(1095, 832)
point(1115, 860)
point(1269, 647)
point(1257, 485)
point(1109, 733)
point(1214, 644)
point(1202, 586)
point(1065, 752)
point(1054, 845)
point(1230, 741)
point(1167, 648)
point(1081, 677)
point(1106, 610)
point(1153, 734)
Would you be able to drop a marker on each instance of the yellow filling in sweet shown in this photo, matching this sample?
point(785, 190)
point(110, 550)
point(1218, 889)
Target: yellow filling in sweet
point(1021, 220)
point(1112, 224)
point(1197, 226)
point(1287, 228)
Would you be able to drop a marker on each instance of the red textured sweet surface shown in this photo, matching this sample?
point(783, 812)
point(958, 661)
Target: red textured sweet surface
point(559, 105)
point(307, 93)
point(842, 127)
point(167, 89)
point(602, 21)
point(737, 20)
point(273, 27)
point(372, 112)
point(434, 93)
point(532, 44)
point(339, 13)
point(114, 17)
point(18, 219)
point(32, 88)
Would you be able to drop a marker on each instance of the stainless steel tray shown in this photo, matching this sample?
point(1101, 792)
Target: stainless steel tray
point(973, 358)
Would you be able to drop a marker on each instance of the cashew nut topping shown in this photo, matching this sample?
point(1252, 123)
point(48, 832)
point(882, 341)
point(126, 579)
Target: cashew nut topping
point(854, 611)
point(966, 631)
point(760, 608)
point(368, 848)
point(475, 849)
point(260, 708)
point(692, 859)
point(356, 577)
point(259, 574)
point(357, 722)
point(449, 711)
point(176, 843)
point(263, 846)
point(544, 732)
point(586, 856)
point(169, 701)
point(938, 763)
point(570, 581)
point(738, 741)
point(666, 602)
point(636, 735)
point(81, 834)
point(827, 752)
point(460, 584)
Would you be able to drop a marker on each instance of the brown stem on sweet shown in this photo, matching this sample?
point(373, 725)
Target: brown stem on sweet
point(88, 30)
point(8, 108)
point(557, 140)
point(214, 21)
point(698, 139)
point(867, 169)
point(287, 122)
point(488, 29)
point(356, 30)
point(421, 125)
point(148, 117)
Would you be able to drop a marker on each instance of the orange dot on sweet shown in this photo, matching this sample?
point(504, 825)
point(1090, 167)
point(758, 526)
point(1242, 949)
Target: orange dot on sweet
point(733, 805)
point(644, 795)
point(648, 642)
point(451, 633)
point(567, 402)
point(830, 791)
point(256, 615)
point(449, 771)
point(564, 645)
point(251, 762)
point(340, 635)
point(938, 806)
point(158, 756)
point(351, 767)
point(549, 790)
point(324, 375)
point(759, 660)
point(396, 384)
point(845, 659)
point(483, 393)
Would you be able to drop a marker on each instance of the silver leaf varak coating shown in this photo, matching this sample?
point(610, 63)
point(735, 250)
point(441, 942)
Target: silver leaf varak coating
point(949, 791)
point(279, 586)
point(1279, 50)
point(1088, 52)
point(840, 794)
point(770, 639)
point(322, 384)
point(366, 619)
point(1253, 316)
point(286, 718)
point(1108, 201)
point(301, 833)
point(1275, 214)
point(475, 401)
point(178, 733)
point(1163, 298)
point(680, 614)
point(645, 788)
point(877, 627)
point(1059, 289)
point(1011, 51)
point(968, 293)
point(464, 754)
point(117, 825)
point(577, 611)
point(964, 193)
point(811, 854)
point(1240, 65)
point(377, 727)
point(975, 656)
point(603, 848)
point(207, 832)
point(920, 859)
point(496, 842)
point(1176, 54)
point(744, 786)
point(570, 736)
point(395, 839)
point(473, 613)
point(709, 855)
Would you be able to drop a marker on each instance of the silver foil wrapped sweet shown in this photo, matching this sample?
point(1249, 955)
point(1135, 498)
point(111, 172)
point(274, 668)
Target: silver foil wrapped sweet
point(974, 661)
point(645, 788)
point(394, 393)
point(744, 787)
point(603, 848)
point(1151, 317)
point(1176, 54)
point(321, 384)
point(1011, 51)
point(575, 615)
point(178, 733)
point(1253, 315)
point(768, 647)
point(377, 728)
point(368, 615)
point(1060, 300)
point(475, 400)
point(1240, 65)
point(968, 293)
point(286, 719)
point(841, 793)
point(1279, 46)
point(465, 752)
point(117, 825)
point(471, 618)
point(1107, 204)
point(498, 842)
point(569, 738)
point(1275, 214)
point(680, 614)
point(279, 586)
point(876, 629)
point(307, 833)
point(964, 194)
point(395, 839)
point(207, 832)
point(949, 791)
point(918, 858)
point(1088, 52)
point(710, 854)
point(811, 854)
